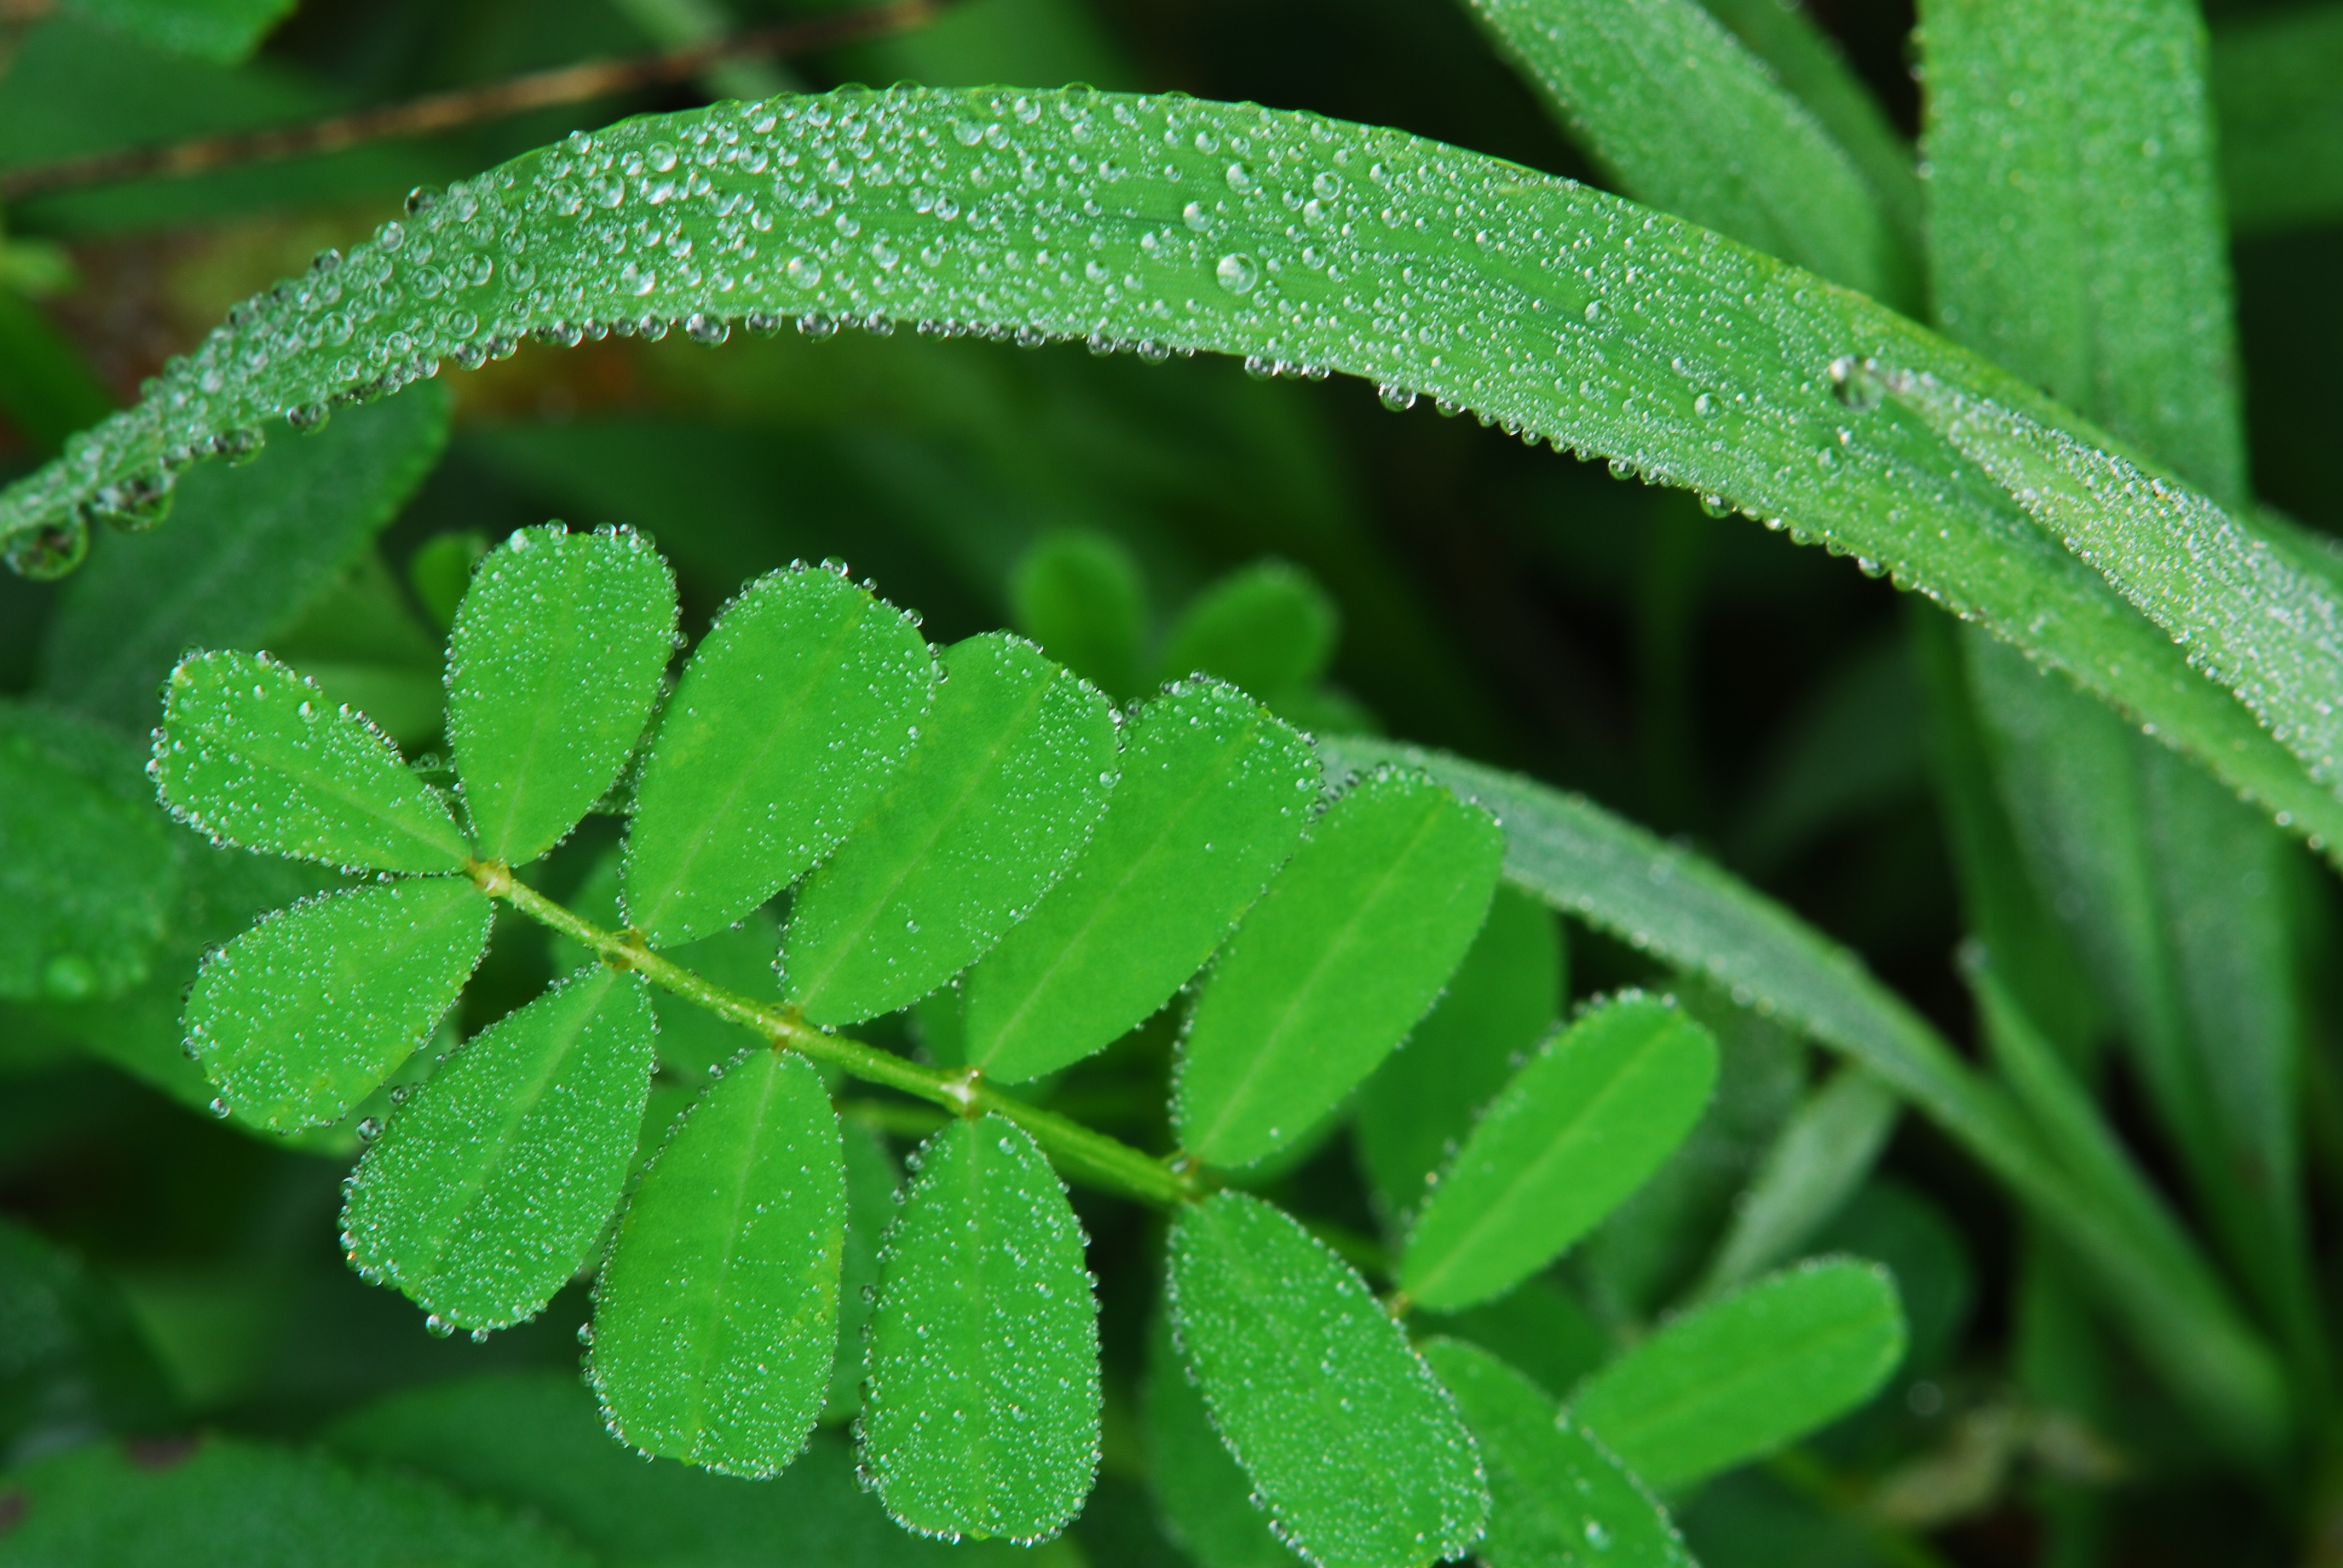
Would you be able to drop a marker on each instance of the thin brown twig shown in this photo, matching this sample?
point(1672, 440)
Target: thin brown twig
point(572, 84)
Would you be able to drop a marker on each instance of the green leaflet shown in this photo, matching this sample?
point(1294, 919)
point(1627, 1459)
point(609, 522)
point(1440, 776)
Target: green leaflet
point(873, 1180)
point(981, 1416)
point(1820, 1157)
point(254, 754)
point(1682, 909)
point(221, 31)
point(1538, 1329)
point(1268, 629)
point(1349, 1441)
point(1079, 595)
point(1708, 369)
point(304, 1015)
point(490, 1184)
point(1557, 1496)
point(1201, 1496)
point(230, 1503)
point(2274, 77)
point(1501, 1001)
point(1583, 1124)
point(794, 711)
point(553, 664)
point(716, 1318)
point(1745, 1375)
point(1342, 956)
point(77, 1359)
point(1011, 771)
point(1212, 796)
point(89, 873)
point(246, 551)
point(1687, 119)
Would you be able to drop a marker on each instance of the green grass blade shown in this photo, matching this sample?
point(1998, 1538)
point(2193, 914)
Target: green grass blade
point(1347, 949)
point(1488, 287)
point(1269, 630)
point(1738, 1378)
point(1583, 1124)
point(553, 664)
point(254, 754)
point(1010, 774)
point(490, 1183)
point(1557, 1496)
point(1682, 117)
point(1501, 1001)
point(793, 714)
point(90, 873)
point(305, 1014)
point(246, 551)
point(1350, 1443)
point(1680, 908)
point(1079, 595)
point(2278, 96)
point(716, 1319)
point(1212, 797)
point(1820, 1157)
point(1201, 1496)
point(982, 1414)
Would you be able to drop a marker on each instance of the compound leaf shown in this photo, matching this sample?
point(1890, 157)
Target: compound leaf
point(553, 664)
point(1201, 1496)
point(1079, 595)
point(493, 1180)
point(791, 716)
point(982, 1417)
point(1583, 1124)
point(717, 1315)
point(1351, 1442)
point(1501, 1001)
point(305, 1014)
point(1342, 956)
point(1213, 795)
point(1269, 630)
point(1557, 1496)
point(1737, 1379)
point(1011, 769)
point(254, 753)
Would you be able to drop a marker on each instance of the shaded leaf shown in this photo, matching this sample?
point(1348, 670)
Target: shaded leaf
point(1011, 769)
point(1269, 630)
point(1338, 960)
point(488, 1186)
point(872, 1184)
point(981, 1414)
point(553, 663)
point(304, 1015)
point(1353, 1445)
point(1079, 595)
point(1557, 1498)
point(223, 31)
point(2275, 99)
point(254, 753)
point(1201, 1496)
point(1538, 1329)
point(791, 716)
point(1737, 1379)
point(73, 1363)
point(1824, 1153)
point(1212, 796)
point(1583, 1124)
point(716, 1318)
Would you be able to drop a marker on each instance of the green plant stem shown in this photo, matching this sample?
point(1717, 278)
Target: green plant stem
point(1084, 1155)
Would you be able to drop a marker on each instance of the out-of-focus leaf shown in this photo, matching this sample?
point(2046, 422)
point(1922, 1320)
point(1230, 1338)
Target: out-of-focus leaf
point(440, 570)
point(1212, 796)
point(1201, 1496)
point(1855, 747)
point(1269, 630)
point(46, 390)
point(1079, 595)
point(73, 1364)
point(791, 717)
point(872, 1182)
point(717, 1315)
point(1823, 1154)
point(981, 1416)
point(304, 1015)
point(1352, 1446)
point(1347, 949)
point(1893, 1224)
point(2278, 97)
point(223, 31)
point(1011, 773)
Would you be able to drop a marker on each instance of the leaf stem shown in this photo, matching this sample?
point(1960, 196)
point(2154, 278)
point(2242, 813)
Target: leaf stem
point(1079, 1153)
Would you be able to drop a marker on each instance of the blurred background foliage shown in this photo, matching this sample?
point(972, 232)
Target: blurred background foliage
point(1441, 583)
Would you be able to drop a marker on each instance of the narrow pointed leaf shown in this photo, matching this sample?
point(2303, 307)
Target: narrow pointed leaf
point(1202, 1497)
point(1011, 769)
point(982, 1415)
point(1823, 1154)
point(1737, 1379)
point(491, 1182)
point(716, 1319)
point(1346, 950)
point(1583, 1124)
point(791, 717)
point(873, 1181)
point(1501, 1001)
point(1212, 797)
point(305, 1014)
point(1556, 1497)
point(553, 664)
point(1080, 596)
point(254, 753)
point(1351, 1442)
point(1268, 629)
